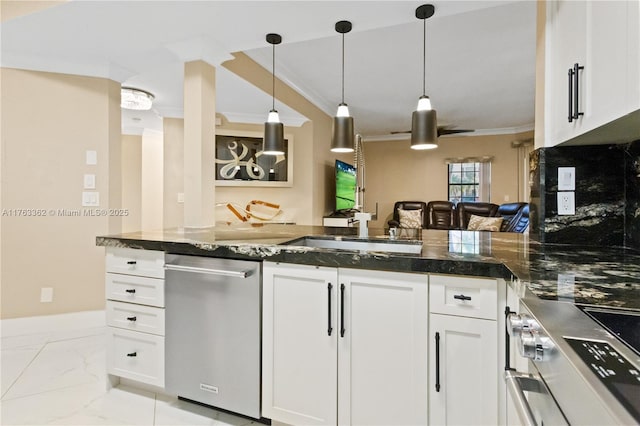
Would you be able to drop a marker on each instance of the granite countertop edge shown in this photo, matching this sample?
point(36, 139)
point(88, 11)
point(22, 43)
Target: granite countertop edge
point(587, 275)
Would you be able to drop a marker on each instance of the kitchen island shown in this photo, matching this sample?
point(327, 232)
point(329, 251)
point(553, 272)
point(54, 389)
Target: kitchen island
point(607, 276)
point(340, 315)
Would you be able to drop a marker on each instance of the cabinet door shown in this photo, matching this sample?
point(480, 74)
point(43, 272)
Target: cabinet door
point(468, 371)
point(565, 45)
point(382, 359)
point(605, 73)
point(633, 65)
point(299, 354)
point(603, 37)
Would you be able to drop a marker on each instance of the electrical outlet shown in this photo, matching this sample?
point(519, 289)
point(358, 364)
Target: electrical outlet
point(566, 203)
point(46, 295)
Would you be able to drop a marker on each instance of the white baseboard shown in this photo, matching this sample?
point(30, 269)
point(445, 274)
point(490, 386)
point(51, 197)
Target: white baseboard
point(48, 323)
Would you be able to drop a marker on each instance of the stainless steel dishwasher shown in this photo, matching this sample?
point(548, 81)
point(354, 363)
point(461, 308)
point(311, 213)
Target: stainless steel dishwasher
point(213, 331)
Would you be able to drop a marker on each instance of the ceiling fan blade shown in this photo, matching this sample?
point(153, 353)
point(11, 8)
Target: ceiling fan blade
point(442, 132)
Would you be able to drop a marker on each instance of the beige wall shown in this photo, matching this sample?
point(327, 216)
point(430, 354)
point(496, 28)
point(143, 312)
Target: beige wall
point(315, 191)
point(48, 123)
point(132, 182)
point(395, 172)
point(173, 169)
point(10, 9)
point(295, 201)
point(152, 180)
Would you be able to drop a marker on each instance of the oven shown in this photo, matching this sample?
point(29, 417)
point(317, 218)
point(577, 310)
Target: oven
point(583, 364)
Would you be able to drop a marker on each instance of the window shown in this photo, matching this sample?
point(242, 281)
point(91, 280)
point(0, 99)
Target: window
point(469, 182)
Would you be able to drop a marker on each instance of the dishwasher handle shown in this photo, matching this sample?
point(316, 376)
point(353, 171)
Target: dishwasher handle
point(197, 270)
point(517, 383)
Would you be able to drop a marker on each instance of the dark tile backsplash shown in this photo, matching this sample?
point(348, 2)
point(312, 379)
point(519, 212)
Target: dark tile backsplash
point(607, 195)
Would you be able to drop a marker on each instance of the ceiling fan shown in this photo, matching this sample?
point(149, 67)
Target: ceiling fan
point(442, 130)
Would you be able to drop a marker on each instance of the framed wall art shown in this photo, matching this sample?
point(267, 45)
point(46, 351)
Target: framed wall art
point(239, 161)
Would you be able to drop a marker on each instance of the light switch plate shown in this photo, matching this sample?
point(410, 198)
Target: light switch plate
point(566, 178)
point(90, 199)
point(566, 203)
point(92, 158)
point(89, 181)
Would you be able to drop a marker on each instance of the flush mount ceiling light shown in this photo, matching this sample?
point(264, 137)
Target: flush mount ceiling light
point(273, 142)
point(343, 136)
point(424, 126)
point(132, 98)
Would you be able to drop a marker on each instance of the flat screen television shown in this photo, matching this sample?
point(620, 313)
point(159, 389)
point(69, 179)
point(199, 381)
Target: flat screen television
point(345, 186)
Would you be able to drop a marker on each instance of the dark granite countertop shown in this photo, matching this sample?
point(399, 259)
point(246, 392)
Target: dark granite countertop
point(588, 275)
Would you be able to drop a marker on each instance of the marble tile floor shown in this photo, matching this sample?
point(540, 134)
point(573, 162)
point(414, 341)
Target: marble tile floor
point(59, 378)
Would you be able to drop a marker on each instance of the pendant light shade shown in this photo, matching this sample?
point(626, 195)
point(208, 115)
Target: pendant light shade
point(343, 132)
point(424, 130)
point(273, 142)
point(424, 125)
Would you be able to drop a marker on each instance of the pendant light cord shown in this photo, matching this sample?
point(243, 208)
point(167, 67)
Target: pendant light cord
point(424, 57)
point(342, 67)
point(273, 78)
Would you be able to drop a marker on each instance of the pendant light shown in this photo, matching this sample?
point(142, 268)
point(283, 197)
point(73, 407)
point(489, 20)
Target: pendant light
point(273, 142)
point(343, 136)
point(424, 126)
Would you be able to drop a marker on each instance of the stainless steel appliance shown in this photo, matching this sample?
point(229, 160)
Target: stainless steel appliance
point(580, 371)
point(213, 331)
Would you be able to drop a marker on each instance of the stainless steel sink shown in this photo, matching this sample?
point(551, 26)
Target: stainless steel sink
point(379, 245)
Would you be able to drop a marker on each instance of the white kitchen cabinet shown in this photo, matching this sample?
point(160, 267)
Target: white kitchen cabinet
point(344, 346)
point(299, 353)
point(382, 356)
point(134, 287)
point(464, 362)
point(602, 37)
point(464, 371)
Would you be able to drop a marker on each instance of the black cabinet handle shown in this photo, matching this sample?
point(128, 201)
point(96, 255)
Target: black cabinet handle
point(132, 318)
point(130, 290)
point(461, 297)
point(131, 262)
point(132, 354)
point(437, 362)
point(329, 329)
point(507, 341)
point(342, 310)
point(576, 91)
point(570, 97)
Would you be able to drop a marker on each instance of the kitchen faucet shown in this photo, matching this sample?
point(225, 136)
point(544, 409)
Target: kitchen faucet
point(363, 219)
point(363, 222)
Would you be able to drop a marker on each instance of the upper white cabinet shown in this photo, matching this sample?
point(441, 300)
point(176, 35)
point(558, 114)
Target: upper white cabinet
point(344, 346)
point(592, 72)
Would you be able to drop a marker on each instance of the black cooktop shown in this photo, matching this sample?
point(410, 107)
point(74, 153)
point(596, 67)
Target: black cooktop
point(625, 324)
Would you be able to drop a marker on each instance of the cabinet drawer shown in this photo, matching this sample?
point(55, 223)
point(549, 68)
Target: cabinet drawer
point(463, 296)
point(129, 288)
point(143, 263)
point(135, 317)
point(136, 356)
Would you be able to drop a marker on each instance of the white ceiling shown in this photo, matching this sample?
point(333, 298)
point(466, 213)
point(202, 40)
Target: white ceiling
point(480, 56)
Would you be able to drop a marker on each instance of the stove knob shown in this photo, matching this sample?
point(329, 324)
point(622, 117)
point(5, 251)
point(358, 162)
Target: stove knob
point(517, 324)
point(535, 346)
